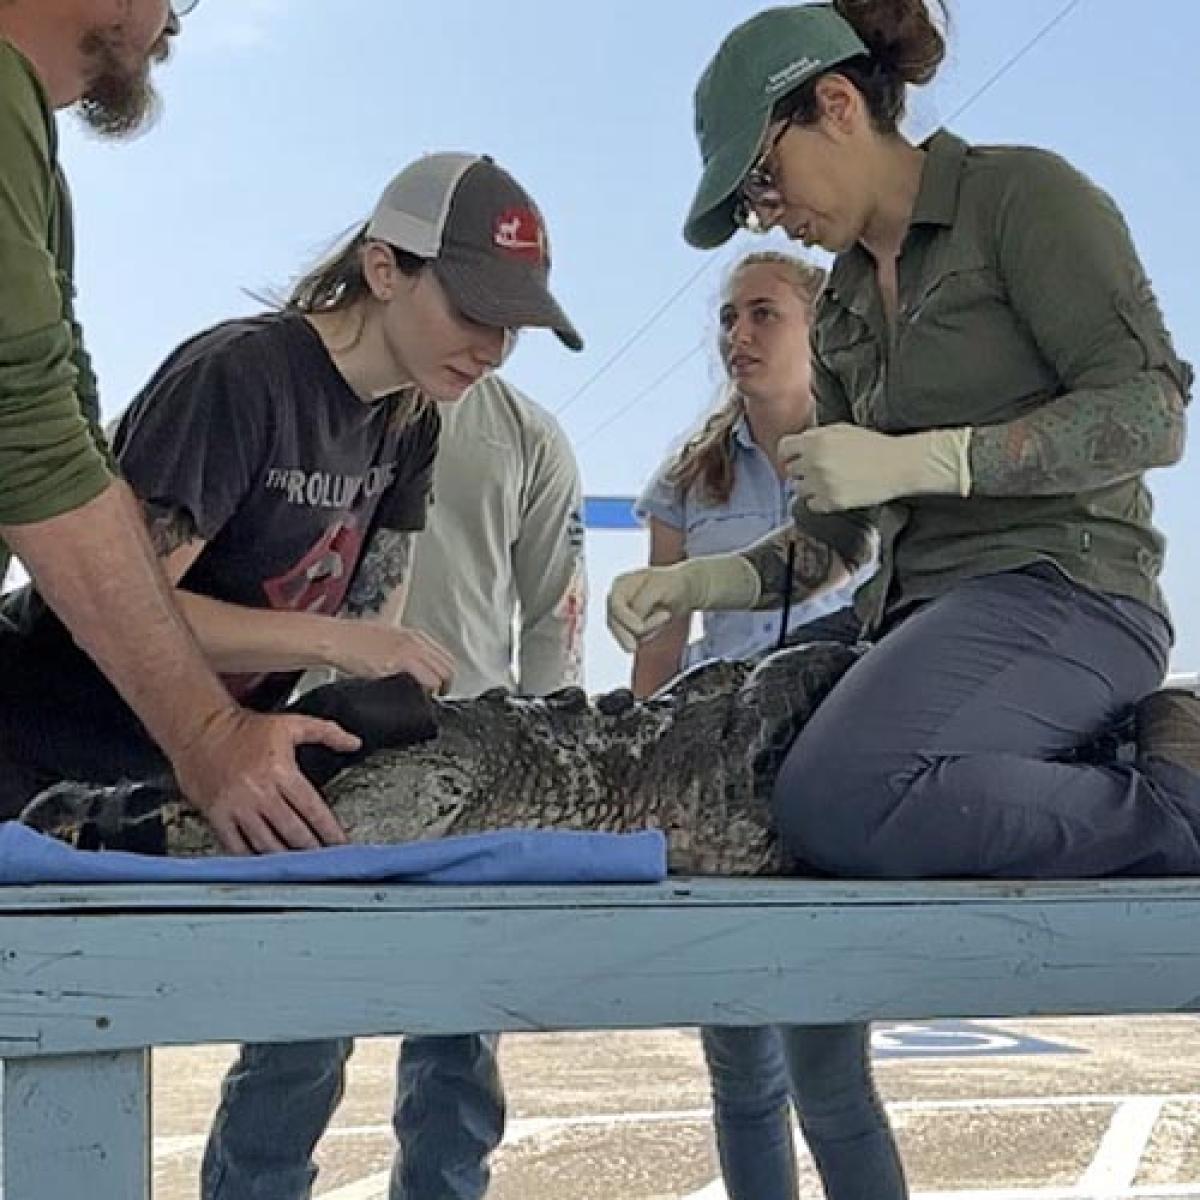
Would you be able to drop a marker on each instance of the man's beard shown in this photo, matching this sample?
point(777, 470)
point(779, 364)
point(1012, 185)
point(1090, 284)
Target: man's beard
point(120, 100)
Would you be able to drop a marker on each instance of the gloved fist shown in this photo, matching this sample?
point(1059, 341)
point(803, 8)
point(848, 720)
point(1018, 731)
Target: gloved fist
point(838, 467)
point(641, 602)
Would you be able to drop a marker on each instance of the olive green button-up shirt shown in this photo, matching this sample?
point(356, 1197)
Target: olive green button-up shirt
point(52, 456)
point(1018, 285)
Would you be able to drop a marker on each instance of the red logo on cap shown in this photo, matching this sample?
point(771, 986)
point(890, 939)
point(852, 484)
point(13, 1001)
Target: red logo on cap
point(518, 232)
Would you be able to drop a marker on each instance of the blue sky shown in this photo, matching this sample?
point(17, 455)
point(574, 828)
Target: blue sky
point(284, 119)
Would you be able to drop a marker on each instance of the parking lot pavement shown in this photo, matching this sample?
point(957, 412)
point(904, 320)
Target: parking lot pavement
point(1064, 1109)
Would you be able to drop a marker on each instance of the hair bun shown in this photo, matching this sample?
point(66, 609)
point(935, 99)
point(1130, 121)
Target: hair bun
point(901, 36)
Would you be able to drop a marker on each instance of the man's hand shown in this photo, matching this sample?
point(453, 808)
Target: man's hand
point(641, 602)
point(242, 775)
point(839, 467)
point(373, 649)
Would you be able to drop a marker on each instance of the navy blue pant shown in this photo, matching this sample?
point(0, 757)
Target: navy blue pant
point(948, 749)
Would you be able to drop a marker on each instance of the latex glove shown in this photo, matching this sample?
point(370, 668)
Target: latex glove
point(845, 466)
point(641, 602)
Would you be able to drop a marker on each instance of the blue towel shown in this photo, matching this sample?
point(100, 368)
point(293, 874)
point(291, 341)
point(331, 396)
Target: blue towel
point(509, 856)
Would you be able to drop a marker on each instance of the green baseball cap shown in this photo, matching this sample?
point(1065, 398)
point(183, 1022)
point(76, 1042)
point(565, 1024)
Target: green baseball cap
point(763, 59)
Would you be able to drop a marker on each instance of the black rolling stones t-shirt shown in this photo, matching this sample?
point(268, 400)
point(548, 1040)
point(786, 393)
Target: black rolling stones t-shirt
point(250, 429)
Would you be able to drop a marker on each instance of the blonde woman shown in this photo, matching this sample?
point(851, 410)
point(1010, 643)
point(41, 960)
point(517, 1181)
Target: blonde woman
point(722, 492)
point(725, 488)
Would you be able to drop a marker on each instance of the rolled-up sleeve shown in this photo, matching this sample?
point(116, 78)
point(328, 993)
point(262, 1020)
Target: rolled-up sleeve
point(50, 462)
point(1071, 270)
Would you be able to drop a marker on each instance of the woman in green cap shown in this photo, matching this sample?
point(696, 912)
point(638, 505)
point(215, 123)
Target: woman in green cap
point(992, 378)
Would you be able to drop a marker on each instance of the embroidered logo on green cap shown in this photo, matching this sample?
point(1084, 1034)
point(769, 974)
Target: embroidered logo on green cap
point(793, 73)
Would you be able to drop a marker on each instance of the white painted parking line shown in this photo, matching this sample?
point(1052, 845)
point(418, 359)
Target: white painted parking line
point(1109, 1176)
point(1071, 1101)
point(193, 1143)
point(1115, 1166)
point(374, 1188)
point(715, 1191)
point(169, 1145)
point(1168, 1192)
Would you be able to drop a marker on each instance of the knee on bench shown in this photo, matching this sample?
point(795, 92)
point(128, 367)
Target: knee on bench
point(832, 803)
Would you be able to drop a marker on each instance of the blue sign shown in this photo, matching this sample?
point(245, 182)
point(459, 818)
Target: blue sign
point(609, 512)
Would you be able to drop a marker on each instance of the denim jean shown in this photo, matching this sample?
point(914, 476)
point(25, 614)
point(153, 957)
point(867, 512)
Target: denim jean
point(277, 1101)
point(826, 1072)
point(951, 748)
point(449, 1117)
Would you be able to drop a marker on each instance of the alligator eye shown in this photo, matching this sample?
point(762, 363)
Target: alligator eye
point(613, 704)
point(568, 700)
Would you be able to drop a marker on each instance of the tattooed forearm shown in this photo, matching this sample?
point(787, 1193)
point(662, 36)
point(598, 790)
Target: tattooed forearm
point(814, 564)
point(1079, 442)
point(383, 569)
point(169, 527)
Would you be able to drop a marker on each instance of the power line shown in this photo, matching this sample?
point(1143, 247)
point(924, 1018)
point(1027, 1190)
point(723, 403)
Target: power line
point(1005, 67)
point(640, 396)
point(700, 271)
point(620, 351)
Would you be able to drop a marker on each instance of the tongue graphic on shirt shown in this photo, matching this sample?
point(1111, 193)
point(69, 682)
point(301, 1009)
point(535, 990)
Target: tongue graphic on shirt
point(316, 584)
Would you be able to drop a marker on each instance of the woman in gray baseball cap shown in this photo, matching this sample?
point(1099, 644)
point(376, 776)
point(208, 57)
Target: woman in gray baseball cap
point(473, 248)
point(284, 463)
point(993, 377)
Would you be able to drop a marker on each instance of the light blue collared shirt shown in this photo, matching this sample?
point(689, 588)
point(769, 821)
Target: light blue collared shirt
point(759, 503)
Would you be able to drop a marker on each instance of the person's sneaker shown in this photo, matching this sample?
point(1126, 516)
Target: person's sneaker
point(1167, 723)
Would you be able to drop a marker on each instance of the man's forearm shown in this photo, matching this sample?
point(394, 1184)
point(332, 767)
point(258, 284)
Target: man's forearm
point(96, 569)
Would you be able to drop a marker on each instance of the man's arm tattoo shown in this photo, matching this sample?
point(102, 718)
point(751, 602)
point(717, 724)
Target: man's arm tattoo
point(169, 527)
point(1081, 441)
point(814, 564)
point(384, 568)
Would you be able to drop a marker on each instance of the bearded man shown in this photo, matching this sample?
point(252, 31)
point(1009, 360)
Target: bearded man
point(63, 511)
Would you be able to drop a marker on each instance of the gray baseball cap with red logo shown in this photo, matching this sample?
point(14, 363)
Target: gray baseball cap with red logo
point(484, 237)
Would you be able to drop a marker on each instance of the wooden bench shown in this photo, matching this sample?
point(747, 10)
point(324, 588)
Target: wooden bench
point(91, 978)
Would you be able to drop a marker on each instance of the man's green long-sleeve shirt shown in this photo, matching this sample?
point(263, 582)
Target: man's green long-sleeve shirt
point(52, 456)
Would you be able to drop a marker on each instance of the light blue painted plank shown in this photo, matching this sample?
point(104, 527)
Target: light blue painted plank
point(73, 983)
point(75, 1127)
point(706, 891)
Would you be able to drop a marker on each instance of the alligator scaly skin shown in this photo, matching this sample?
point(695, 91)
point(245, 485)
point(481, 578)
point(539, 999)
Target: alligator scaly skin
point(696, 760)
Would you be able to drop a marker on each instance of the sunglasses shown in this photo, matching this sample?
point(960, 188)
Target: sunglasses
point(759, 190)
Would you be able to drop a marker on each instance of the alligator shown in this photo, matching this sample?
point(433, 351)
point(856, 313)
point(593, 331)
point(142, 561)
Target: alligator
point(696, 760)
